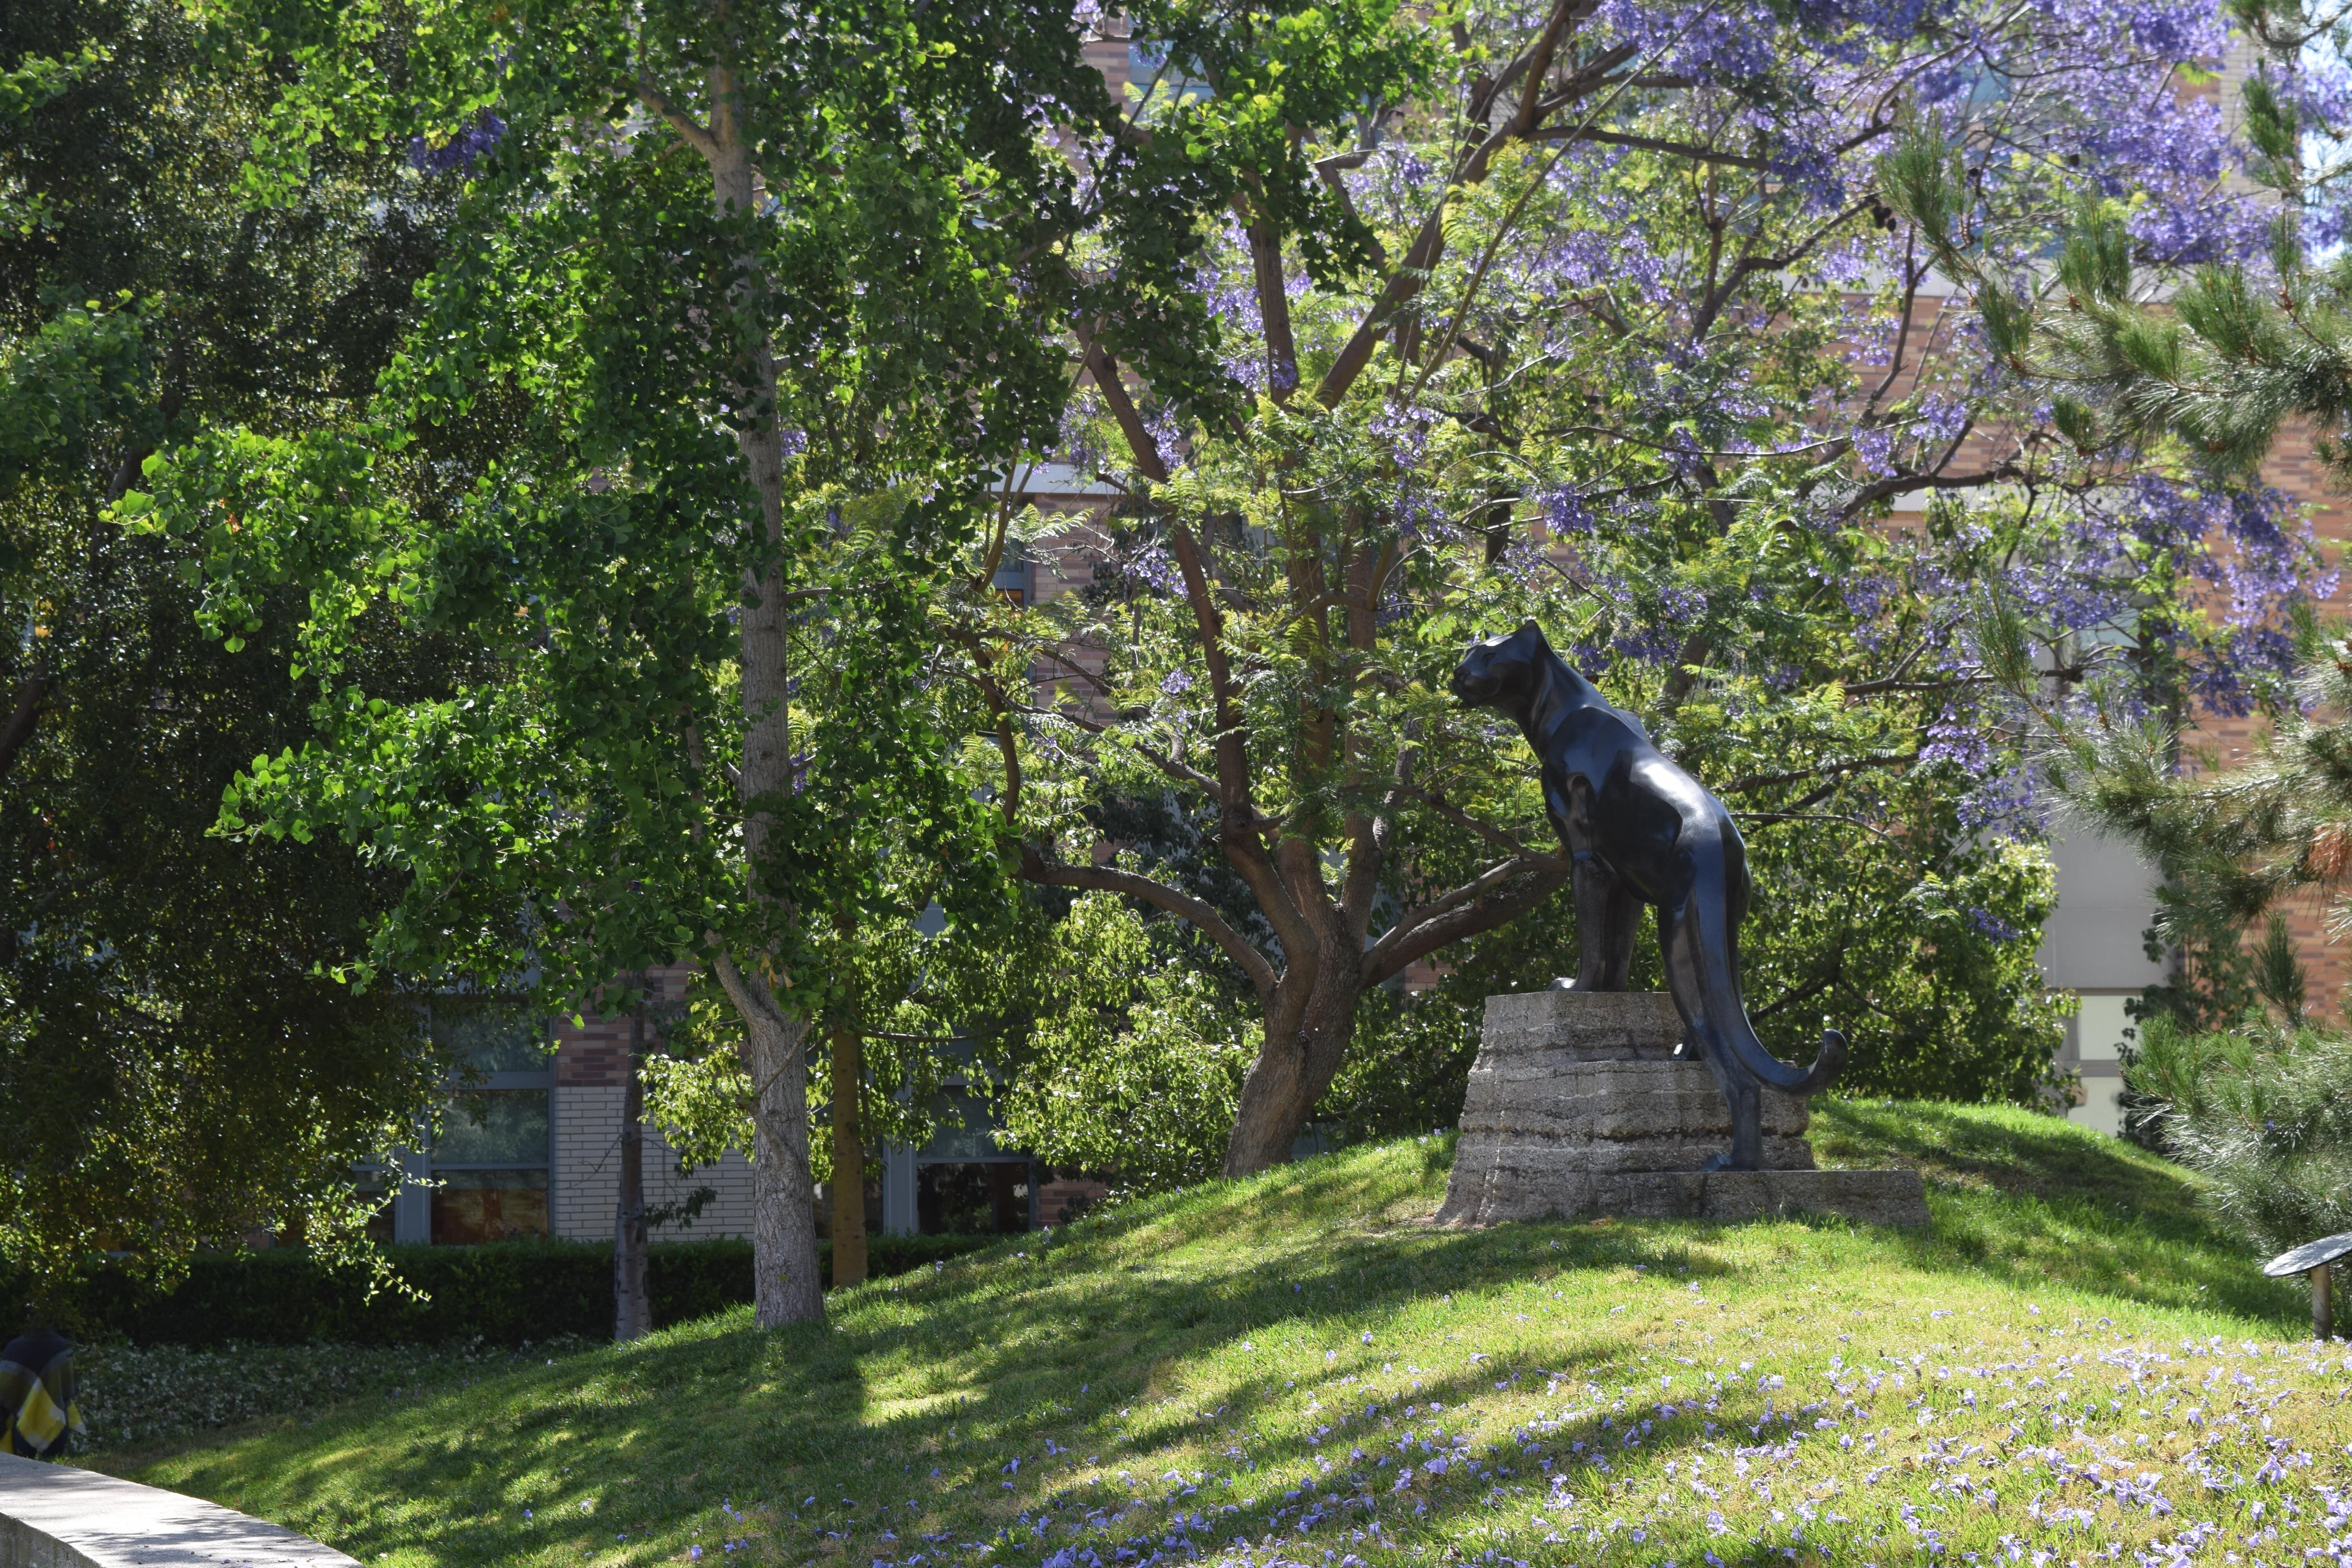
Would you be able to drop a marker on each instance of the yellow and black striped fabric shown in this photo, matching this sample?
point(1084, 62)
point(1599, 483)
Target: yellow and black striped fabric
point(36, 1395)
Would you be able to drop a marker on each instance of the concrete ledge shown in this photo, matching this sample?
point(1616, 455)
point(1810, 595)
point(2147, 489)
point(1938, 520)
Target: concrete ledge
point(1502, 1191)
point(54, 1517)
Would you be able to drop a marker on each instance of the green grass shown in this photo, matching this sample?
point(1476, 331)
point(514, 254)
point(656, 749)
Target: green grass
point(137, 1394)
point(1239, 1370)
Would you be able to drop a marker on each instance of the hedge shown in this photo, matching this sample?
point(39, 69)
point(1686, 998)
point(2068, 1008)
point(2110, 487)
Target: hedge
point(507, 1293)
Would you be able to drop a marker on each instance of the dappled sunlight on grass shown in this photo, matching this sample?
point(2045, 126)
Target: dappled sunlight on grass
point(1240, 1363)
point(2035, 1200)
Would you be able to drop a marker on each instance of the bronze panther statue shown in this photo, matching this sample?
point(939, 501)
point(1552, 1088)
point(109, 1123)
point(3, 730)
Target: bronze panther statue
point(1639, 830)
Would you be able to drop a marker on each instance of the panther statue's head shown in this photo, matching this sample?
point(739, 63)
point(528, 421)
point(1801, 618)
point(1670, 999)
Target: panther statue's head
point(1501, 672)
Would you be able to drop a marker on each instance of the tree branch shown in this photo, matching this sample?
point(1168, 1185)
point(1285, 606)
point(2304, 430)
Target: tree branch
point(1237, 833)
point(1139, 444)
point(1691, 150)
point(697, 136)
point(1903, 484)
point(1503, 893)
point(1035, 868)
point(1462, 819)
point(1411, 275)
point(20, 723)
point(1802, 993)
point(1179, 771)
point(1330, 169)
point(1798, 775)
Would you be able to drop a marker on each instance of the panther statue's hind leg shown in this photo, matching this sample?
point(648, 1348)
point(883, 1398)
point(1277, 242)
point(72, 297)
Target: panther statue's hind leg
point(1606, 910)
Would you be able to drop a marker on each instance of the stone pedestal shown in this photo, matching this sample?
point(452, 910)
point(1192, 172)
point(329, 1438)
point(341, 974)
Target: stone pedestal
point(1577, 1105)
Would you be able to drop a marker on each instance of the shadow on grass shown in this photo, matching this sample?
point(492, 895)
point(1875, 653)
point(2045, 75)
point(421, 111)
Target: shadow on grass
point(2012, 1152)
point(855, 1438)
point(981, 1361)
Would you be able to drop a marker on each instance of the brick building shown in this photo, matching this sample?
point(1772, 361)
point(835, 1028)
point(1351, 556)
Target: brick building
point(2093, 944)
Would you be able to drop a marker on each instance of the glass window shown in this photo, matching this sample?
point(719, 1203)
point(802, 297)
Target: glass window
point(487, 1165)
point(375, 1185)
point(973, 1199)
point(975, 1139)
point(490, 1164)
point(471, 1206)
point(491, 1034)
point(494, 1127)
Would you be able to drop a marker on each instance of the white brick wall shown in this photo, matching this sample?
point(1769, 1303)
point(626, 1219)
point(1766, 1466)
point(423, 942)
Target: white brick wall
point(587, 1174)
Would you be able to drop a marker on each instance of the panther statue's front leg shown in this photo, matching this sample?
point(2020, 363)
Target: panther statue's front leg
point(1606, 910)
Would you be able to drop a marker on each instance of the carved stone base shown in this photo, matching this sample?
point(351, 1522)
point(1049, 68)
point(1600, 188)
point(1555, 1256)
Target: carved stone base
point(1874, 1198)
point(1577, 1105)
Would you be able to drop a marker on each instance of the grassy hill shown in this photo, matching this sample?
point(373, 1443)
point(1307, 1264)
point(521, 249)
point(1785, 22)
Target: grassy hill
point(1298, 1369)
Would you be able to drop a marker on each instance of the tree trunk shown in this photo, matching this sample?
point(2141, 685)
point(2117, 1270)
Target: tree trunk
point(784, 1198)
point(848, 1159)
point(785, 1287)
point(1294, 1067)
point(633, 1310)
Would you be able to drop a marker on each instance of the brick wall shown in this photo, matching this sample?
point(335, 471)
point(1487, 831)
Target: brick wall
point(2294, 467)
point(590, 1058)
point(587, 1180)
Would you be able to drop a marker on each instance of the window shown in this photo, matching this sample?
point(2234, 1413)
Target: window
point(491, 1034)
point(1013, 574)
point(483, 1174)
point(491, 1162)
point(966, 1182)
point(978, 1198)
point(377, 1183)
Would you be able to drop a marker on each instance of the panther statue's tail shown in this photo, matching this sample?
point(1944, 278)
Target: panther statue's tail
point(1702, 972)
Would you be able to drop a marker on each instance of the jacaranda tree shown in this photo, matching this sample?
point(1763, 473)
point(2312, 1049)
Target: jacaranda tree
point(1610, 316)
point(2209, 363)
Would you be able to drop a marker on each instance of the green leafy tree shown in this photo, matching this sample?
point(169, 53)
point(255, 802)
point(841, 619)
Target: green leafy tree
point(177, 1064)
point(721, 270)
point(1132, 1066)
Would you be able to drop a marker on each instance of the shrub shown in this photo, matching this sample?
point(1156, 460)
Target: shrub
point(2264, 1111)
point(507, 1293)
